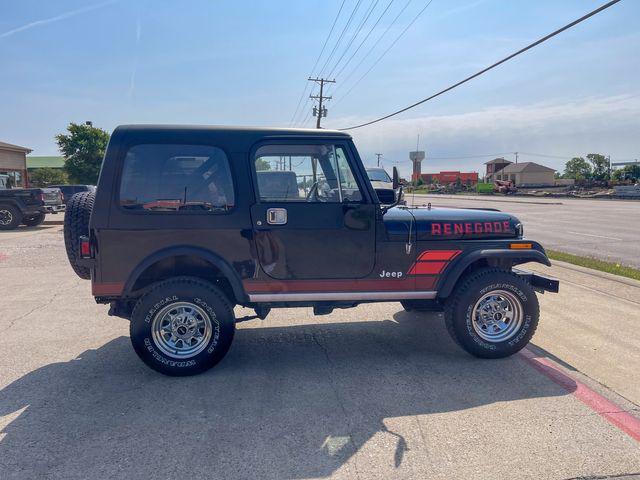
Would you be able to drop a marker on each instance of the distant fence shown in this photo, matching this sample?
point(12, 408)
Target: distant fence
point(565, 182)
point(628, 191)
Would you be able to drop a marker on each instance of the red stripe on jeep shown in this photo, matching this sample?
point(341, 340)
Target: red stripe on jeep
point(356, 285)
point(438, 255)
point(427, 268)
point(106, 288)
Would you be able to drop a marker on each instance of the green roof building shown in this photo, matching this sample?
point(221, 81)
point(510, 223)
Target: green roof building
point(42, 162)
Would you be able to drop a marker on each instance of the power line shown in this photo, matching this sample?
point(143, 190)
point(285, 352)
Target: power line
point(320, 111)
point(460, 157)
point(301, 116)
point(389, 48)
point(355, 35)
point(366, 55)
point(324, 45)
point(477, 74)
point(344, 29)
point(544, 155)
point(365, 38)
point(333, 50)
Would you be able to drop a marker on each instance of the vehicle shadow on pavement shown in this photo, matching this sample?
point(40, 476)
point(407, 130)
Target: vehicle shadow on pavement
point(287, 402)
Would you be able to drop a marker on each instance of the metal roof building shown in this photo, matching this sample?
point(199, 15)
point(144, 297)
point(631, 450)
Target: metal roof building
point(13, 162)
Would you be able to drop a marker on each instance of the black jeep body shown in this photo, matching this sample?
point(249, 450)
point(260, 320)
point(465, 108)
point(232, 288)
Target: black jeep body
point(238, 212)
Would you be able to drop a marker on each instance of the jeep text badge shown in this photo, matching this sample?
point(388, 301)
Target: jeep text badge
point(385, 274)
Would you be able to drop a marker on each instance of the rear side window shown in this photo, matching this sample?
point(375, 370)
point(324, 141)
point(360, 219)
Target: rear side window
point(176, 178)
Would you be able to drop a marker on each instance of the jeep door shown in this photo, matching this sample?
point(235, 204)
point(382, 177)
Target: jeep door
point(312, 219)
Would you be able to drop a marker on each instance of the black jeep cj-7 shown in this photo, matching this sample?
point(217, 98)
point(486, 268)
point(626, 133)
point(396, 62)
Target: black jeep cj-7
point(188, 222)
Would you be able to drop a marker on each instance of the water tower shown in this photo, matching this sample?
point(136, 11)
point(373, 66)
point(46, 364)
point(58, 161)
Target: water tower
point(416, 157)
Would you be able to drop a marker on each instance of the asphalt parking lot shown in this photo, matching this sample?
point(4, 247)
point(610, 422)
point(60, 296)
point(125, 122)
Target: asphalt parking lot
point(605, 229)
point(370, 392)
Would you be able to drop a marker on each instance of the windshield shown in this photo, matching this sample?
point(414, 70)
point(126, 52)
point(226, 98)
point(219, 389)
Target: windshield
point(378, 175)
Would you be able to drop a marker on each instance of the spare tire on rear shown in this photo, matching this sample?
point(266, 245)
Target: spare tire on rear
point(76, 224)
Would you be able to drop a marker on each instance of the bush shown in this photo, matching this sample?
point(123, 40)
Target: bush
point(41, 177)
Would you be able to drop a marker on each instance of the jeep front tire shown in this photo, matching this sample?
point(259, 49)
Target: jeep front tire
point(182, 326)
point(492, 313)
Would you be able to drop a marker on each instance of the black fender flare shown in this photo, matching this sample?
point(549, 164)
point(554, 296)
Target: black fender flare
point(211, 257)
point(452, 275)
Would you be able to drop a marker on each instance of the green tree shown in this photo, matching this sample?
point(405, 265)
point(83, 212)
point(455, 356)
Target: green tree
point(600, 166)
point(47, 176)
point(578, 169)
point(262, 164)
point(629, 172)
point(83, 149)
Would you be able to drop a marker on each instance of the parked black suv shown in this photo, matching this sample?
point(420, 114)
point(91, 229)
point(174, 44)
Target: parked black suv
point(188, 222)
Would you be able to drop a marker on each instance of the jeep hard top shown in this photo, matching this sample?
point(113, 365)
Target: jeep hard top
point(189, 221)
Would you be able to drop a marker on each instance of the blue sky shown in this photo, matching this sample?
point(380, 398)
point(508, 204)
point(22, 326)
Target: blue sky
point(245, 62)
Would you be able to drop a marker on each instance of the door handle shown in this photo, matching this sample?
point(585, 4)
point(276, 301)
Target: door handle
point(277, 216)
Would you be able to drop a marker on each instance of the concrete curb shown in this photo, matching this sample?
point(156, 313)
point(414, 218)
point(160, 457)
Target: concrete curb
point(597, 273)
point(481, 199)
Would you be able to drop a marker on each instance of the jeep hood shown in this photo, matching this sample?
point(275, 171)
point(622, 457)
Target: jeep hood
point(377, 184)
point(453, 223)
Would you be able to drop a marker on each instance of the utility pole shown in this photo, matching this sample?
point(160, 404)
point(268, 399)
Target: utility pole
point(320, 111)
point(378, 155)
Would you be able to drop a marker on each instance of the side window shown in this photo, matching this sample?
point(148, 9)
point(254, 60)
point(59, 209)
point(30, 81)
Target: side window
point(304, 173)
point(176, 178)
point(348, 184)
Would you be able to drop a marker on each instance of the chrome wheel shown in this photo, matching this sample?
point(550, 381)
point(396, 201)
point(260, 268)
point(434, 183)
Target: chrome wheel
point(181, 330)
point(497, 316)
point(5, 217)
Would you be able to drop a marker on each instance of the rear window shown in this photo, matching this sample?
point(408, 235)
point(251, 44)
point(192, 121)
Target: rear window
point(176, 178)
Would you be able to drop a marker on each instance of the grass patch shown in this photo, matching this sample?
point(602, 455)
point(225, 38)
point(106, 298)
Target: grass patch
point(594, 263)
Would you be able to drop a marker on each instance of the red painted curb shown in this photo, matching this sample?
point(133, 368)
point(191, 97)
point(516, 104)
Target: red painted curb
point(608, 410)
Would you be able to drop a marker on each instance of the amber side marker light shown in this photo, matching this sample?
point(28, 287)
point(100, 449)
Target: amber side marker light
point(521, 246)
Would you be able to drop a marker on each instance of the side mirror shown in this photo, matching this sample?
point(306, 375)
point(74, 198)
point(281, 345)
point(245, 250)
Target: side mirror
point(396, 181)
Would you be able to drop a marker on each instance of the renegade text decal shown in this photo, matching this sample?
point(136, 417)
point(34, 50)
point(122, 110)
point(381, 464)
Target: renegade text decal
point(460, 228)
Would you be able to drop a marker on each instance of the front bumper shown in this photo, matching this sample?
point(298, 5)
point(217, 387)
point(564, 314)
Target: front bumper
point(54, 208)
point(540, 283)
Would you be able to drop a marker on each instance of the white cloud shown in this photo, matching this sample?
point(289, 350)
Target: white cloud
point(608, 125)
point(57, 18)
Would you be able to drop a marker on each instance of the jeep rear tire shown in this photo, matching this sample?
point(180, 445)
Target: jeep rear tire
point(76, 224)
point(182, 326)
point(492, 313)
point(34, 221)
point(10, 217)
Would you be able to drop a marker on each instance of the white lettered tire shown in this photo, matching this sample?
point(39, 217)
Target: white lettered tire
point(493, 313)
point(182, 326)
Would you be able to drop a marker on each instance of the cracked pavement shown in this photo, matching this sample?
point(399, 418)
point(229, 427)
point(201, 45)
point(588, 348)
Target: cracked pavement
point(369, 392)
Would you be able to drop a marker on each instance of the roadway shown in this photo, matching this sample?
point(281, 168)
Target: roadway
point(605, 229)
point(371, 392)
